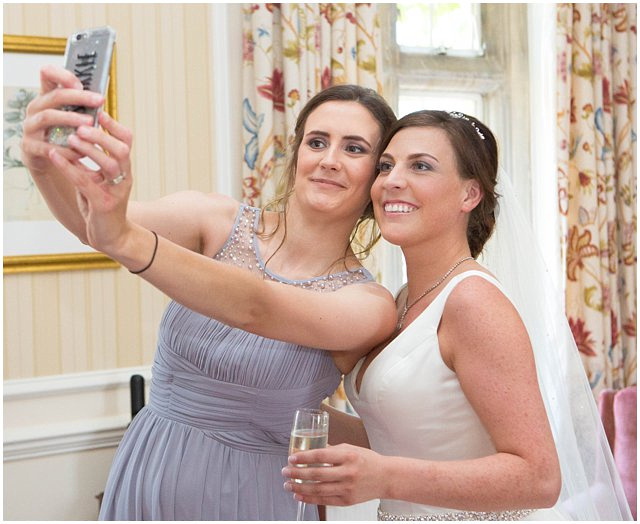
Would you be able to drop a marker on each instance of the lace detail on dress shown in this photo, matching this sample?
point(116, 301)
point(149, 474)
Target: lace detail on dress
point(241, 249)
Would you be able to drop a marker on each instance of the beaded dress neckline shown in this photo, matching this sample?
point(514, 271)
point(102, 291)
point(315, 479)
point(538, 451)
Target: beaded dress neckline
point(241, 249)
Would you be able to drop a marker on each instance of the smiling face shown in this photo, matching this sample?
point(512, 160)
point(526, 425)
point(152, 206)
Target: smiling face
point(419, 195)
point(336, 160)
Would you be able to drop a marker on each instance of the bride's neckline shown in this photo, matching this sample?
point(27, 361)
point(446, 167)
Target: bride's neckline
point(363, 365)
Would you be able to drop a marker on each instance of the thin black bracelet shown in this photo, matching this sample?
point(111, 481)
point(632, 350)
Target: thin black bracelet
point(153, 257)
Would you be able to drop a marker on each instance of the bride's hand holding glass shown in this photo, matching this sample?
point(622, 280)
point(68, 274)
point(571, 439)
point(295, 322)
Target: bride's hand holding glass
point(355, 475)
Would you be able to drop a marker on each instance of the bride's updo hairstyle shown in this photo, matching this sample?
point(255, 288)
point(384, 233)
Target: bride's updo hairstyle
point(476, 153)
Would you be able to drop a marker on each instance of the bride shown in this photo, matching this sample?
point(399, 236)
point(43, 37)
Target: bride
point(478, 407)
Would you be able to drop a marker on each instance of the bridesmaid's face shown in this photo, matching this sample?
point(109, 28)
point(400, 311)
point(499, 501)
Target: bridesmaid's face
point(336, 159)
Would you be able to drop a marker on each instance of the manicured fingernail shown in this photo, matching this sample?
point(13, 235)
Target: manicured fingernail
point(96, 98)
point(287, 486)
point(292, 459)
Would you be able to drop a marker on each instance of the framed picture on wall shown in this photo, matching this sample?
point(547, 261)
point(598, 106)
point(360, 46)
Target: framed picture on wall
point(33, 240)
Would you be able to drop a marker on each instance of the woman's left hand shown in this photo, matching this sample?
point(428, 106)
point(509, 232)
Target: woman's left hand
point(102, 194)
point(355, 475)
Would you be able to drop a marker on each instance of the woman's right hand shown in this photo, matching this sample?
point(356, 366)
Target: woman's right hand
point(58, 87)
point(355, 475)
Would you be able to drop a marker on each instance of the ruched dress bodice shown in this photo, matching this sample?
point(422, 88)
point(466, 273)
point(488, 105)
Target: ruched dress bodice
point(213, 438)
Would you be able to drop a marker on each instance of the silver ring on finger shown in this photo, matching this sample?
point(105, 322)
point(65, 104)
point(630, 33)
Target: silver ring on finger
point(115, 181)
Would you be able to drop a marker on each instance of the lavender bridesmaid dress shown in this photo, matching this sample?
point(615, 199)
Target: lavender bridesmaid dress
point(213, 438)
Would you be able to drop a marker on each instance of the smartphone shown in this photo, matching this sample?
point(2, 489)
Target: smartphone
point(88, 56)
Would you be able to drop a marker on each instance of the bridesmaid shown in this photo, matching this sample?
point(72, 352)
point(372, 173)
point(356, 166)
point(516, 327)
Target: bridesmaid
point(255, 294)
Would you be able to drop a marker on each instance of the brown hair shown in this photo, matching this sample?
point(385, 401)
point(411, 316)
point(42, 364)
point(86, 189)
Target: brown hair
point(383, 114)
point(476, 153)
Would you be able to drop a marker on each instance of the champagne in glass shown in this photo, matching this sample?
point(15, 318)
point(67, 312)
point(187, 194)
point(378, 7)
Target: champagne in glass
point(310, 431)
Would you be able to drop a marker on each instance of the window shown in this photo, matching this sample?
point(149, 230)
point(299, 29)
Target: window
point(445, 38)
point(443, 29)
point(464, 57)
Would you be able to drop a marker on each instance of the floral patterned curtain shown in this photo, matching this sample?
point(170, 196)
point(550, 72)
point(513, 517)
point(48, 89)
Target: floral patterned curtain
point(290, 52)
point(597, 185)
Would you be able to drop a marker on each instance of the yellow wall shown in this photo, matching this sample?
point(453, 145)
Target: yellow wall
point(77, 321)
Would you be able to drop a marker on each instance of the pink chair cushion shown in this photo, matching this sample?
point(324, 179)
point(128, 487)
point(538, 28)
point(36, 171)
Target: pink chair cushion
point(619, 418)
point(625, 447)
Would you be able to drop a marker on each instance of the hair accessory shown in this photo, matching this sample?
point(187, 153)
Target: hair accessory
point(153, 257)
point(457, 114)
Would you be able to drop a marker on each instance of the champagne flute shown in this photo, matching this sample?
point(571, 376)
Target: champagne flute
point(310, 431)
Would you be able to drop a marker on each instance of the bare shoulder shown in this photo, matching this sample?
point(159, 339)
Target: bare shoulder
point(475, 297)
point(479, 317)
point(218, 217)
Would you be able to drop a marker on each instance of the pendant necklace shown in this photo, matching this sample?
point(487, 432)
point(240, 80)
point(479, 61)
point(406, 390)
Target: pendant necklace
point(444, 277)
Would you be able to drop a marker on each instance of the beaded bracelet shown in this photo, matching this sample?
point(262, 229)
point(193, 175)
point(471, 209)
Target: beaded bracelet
point(153, 257)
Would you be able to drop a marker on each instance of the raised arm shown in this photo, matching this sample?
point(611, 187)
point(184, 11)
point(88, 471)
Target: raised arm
point(193, 220)
point(350, 320)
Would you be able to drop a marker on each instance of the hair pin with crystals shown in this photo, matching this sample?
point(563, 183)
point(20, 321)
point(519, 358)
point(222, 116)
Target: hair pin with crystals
point(457, 114)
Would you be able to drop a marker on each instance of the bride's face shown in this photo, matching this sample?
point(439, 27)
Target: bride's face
point(419, 195)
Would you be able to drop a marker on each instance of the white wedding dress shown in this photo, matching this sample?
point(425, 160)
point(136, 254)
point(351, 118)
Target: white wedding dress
point(412, 405)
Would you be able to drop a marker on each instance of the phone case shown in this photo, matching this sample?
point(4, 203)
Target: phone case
point(88, 56)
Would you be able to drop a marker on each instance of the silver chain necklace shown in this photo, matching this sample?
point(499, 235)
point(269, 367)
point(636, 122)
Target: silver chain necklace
point(444, 277)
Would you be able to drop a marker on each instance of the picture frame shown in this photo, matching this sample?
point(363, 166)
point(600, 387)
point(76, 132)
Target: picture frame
point(33, 240)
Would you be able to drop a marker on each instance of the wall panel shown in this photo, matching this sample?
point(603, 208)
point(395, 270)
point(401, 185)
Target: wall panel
point(74, 322)
point(65, 406)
